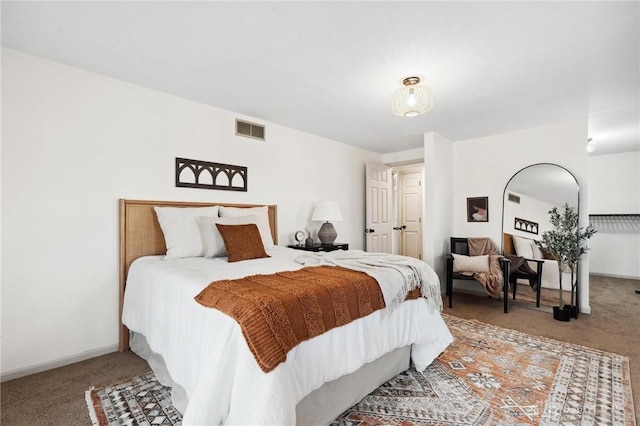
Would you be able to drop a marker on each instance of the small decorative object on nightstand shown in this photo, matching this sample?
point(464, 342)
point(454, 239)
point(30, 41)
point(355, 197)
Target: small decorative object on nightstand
point(299, 236)
point(322, 247)
point(308, 242)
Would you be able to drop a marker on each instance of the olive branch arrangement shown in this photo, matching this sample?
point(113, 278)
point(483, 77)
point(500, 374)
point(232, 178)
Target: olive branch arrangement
point(566, 242)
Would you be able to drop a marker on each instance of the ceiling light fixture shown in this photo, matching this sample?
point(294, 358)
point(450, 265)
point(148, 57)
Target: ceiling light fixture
point(412, 99)
point(591, 145)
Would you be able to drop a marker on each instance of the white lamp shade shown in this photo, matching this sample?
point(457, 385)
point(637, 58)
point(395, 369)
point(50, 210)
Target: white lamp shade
point(327, 211)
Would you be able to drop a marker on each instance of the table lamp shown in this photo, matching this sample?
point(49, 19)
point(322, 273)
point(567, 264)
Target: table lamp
point(324, 212)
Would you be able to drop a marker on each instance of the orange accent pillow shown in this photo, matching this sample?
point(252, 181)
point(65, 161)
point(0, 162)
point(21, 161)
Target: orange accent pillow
point(242, 242)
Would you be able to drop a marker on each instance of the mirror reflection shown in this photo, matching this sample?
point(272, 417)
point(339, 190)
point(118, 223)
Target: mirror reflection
point(528, 197)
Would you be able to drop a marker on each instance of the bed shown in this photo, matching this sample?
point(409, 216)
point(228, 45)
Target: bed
point(201, 353)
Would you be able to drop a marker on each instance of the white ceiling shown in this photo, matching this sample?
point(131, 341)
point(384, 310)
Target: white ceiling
point(329, 68)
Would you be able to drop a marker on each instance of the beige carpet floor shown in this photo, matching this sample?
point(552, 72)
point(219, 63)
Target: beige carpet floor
point(56, 397)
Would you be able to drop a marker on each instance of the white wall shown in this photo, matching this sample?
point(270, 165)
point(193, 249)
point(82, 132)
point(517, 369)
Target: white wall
point(483, 166)
point(614, 188)
point(530, 209)
point(438, 205)
point(614, 183)
point(411, 156)
point(74, 142)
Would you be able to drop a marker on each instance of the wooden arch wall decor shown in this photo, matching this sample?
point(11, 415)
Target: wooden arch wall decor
point(525, 226)
point(206, 175)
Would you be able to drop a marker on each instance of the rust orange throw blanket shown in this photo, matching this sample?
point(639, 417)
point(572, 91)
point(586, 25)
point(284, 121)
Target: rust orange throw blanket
point(278, 311)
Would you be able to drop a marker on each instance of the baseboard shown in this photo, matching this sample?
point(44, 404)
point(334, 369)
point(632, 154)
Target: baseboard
point(624, 277)
point(61, 362)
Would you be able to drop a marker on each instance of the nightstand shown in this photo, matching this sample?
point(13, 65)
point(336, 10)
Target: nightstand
point(322, 247)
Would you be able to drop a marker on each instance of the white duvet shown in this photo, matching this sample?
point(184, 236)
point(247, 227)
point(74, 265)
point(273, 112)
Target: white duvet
point(206, 354)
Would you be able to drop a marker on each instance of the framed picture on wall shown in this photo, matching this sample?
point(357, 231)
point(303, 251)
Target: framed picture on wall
point(478, 209)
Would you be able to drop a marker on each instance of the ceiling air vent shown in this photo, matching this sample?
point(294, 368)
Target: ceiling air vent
point(514, 198)
point(249, 130)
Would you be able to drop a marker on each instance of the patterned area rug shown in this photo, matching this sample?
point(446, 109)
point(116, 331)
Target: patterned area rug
point(141, 400)
point(495, 376)
point(488, 376)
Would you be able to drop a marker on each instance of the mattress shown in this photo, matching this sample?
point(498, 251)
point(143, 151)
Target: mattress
point(206, 355)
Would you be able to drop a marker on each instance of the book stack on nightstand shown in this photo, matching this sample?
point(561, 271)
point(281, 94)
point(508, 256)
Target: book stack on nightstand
point(322, 247)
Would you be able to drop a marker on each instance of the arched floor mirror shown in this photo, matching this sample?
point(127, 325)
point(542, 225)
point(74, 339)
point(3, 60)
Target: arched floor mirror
point(528, 196)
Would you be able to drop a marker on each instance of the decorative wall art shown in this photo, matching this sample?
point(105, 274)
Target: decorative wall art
point(206, 175)
point(525, 226)
point(478, 209)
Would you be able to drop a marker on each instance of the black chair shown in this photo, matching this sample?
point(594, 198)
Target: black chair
point(461, 246)
point(534, 278)
point(516, 274)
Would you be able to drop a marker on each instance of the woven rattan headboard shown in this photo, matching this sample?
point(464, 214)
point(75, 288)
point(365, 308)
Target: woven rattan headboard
point(507, 244)
point(140, 235)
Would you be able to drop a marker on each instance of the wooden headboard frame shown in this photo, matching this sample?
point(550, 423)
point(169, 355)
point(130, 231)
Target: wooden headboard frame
point(141, 235)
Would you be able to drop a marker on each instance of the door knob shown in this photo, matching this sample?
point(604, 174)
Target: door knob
point(369, 231)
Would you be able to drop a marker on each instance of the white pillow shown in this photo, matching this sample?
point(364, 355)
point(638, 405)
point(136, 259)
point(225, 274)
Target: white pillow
point(262, 215)
point(537, 252)
point(462, 263)
point(213, 242)
point(523, 246)
point(182, 230)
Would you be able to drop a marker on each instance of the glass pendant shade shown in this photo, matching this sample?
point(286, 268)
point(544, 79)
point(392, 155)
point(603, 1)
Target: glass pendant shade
point(412, 99)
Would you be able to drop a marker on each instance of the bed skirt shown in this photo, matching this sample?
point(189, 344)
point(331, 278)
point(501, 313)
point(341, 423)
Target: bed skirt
point(321, 406)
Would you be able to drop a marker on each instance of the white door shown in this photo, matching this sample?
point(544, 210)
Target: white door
point(410, 220)
point(378, 223)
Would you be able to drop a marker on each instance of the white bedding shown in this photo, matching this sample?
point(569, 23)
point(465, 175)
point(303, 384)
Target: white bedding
point(206, 354)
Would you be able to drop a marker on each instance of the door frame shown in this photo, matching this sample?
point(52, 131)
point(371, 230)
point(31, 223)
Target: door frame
point(397, 170)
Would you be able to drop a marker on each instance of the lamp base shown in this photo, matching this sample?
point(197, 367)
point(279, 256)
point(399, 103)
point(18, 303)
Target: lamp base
point(327, 233)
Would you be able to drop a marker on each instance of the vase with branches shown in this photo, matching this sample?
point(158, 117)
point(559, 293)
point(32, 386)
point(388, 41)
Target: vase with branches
point(566, 243)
